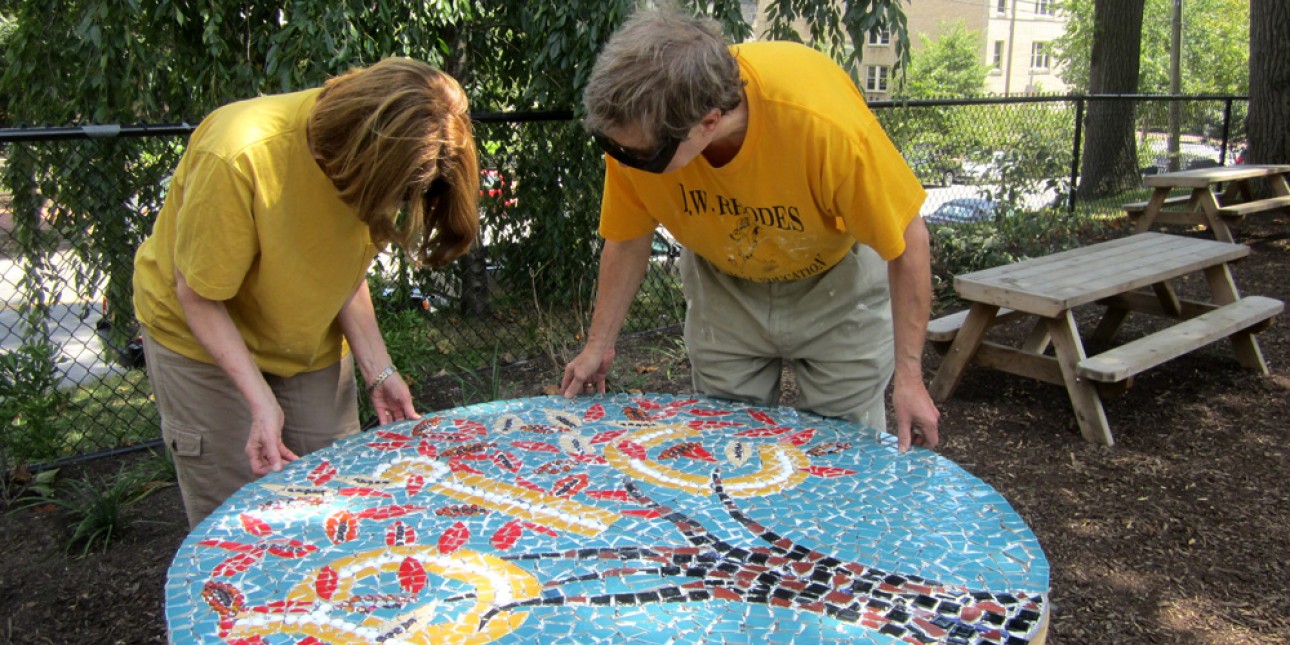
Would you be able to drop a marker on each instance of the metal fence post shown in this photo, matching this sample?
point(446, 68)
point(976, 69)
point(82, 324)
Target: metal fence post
point(1075, 149)
point(1227, 126)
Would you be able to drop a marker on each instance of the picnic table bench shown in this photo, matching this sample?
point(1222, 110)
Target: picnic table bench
point(1201, 206)
point(1126, 275)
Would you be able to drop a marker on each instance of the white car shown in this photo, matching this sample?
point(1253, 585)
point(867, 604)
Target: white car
point(984, 171)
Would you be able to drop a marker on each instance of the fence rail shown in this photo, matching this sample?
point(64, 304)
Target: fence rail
point(76, 201)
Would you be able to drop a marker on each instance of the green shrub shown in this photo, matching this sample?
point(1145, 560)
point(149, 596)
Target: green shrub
point(963, 248)
point(31, 405)
point(94, 507)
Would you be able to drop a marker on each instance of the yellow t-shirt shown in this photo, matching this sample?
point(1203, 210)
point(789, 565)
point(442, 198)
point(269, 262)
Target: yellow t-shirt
point(815, 174)
point(250, 219)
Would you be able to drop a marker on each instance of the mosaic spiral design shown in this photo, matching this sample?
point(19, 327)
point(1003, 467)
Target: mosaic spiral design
point(612, 519)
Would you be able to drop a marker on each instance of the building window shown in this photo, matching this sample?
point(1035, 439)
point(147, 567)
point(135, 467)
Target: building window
point(875, 78)
point(1044, 7)
point(1039, 56)
point(1001, 6)
point(997, 61)
point(879, 37)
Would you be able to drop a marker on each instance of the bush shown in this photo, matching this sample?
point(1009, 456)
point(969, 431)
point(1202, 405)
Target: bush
point(94, 508)
point(963, 248)
point(31, 405)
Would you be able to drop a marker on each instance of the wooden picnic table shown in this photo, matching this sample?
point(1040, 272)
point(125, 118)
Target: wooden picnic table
point(1199, 205)
point(1130, 274)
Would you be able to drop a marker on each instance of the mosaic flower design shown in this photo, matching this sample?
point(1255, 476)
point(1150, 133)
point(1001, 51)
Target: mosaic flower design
point(612, 519)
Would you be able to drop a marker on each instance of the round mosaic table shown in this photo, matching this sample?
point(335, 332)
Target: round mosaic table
point(612, 519)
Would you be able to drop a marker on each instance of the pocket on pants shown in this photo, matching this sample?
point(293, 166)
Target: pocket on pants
point(182, 442)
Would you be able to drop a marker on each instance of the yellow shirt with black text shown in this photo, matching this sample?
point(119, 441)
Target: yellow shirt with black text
point(815, 174)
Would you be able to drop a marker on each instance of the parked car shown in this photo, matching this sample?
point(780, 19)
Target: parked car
point(964, 210)
point(496, 188)
point(664, 251)
point(663, 246)
point(983, 168)
point(1190, 155)
point(933, 167)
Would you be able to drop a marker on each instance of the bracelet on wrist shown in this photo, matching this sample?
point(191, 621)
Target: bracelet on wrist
point(380, 378)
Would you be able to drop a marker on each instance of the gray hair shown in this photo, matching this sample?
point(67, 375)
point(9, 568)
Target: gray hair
point(662, 71)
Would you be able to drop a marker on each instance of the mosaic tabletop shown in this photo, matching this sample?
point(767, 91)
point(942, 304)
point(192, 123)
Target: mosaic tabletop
point(612, 519)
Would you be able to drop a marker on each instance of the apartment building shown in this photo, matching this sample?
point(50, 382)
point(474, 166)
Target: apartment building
point(1016, 42)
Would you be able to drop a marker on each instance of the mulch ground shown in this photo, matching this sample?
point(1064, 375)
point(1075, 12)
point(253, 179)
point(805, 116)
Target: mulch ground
point(1178, 534)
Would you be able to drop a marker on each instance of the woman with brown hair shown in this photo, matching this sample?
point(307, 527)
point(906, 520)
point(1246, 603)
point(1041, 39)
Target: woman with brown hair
point(252, 288)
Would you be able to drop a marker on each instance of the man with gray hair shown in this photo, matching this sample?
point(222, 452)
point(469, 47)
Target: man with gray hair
point(798, 216)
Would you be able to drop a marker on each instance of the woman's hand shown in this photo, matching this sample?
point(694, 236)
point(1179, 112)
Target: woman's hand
point(392, 400)
point(264, 448)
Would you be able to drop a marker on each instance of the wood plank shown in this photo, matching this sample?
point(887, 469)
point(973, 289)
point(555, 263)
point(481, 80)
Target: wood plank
point(946, 327)
point(1136, 208)
point(1038, 340)
point(1280, 183)
point(1019, 362)
point(1110, 324)
point(1052, 284)
point(1237, 191)
point(1149, 351)
point(1256, 206)
point(1217, 225)
point(1180, 218)
point(1222, 288)
point(956, 360)
point(1110, 262)
point(1148, 303)
point(1083, 394)
point(1272, 168)
point(1154, 206)
point(1204, 177)
point(1168, 298)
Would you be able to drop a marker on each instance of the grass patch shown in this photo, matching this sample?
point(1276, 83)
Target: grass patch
point(116, 410)
point(44, 423)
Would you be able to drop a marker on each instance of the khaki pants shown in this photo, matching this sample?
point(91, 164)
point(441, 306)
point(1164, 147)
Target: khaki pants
point(205, 421)
point(834, 329)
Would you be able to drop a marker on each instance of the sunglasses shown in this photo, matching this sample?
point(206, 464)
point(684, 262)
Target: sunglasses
point(655, 163)
point(431, 195)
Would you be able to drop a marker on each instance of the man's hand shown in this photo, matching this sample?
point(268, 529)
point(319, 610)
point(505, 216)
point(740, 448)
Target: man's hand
point(910, 279)
point(622, 267)
point(917, 419)
point(586, 373)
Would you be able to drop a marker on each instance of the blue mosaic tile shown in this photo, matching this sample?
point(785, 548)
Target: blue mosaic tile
point(612, 519)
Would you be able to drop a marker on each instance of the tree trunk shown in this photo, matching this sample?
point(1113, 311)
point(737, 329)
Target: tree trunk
point(1268, 125)
point(472, 268)
point(1110, 160)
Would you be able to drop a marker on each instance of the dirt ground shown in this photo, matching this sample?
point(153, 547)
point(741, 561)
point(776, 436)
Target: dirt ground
point(1178, 534)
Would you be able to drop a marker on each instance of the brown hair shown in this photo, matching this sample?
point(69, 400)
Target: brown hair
point(395, 133)
point(662, 71)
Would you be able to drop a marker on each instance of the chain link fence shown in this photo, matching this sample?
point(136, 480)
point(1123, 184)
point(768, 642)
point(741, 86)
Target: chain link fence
point(76, 202)
point(1028, 152)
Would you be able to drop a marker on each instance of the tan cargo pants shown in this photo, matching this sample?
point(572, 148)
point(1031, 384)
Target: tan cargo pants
point(834, 329)
point(205, 421)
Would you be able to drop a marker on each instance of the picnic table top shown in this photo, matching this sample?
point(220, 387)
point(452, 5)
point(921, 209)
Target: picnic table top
point(1053, 284)
point(1204, 177)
